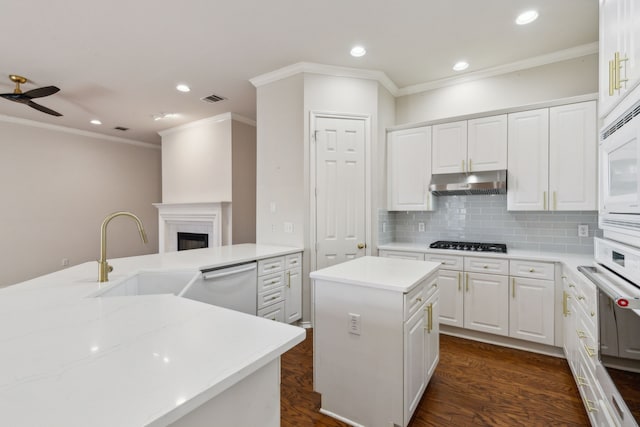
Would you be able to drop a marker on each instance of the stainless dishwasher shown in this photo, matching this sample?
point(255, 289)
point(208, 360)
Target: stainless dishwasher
point(234, 287)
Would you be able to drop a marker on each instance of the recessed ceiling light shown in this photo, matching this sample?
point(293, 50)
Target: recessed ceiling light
point(183, 88)
point(162, 116)
point(527, 17)
point(358, 51)
point(95, 122)
point(460, 65)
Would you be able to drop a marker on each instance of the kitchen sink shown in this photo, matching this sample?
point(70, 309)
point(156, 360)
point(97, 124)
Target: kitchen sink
point(150, 283)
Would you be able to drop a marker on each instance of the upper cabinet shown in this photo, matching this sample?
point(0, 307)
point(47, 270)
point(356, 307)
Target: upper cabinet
point(470, 146)
point(619, 51)
point(552, 158)
point(409, 169)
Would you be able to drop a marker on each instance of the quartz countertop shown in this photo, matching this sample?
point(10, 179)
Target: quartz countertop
point(398, 275)
point(71, 360)
point(572, 261)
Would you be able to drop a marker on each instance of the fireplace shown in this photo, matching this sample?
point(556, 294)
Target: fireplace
point(188, 241)
point(210, 221)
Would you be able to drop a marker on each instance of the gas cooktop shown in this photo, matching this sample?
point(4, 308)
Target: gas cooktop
point(469, 246)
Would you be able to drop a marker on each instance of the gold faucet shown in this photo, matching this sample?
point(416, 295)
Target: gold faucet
point(104, 267)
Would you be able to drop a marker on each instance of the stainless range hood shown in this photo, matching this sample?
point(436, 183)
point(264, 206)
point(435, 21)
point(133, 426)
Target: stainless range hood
point(459, 184)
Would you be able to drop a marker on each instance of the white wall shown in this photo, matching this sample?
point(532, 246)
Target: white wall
point(559, 80)
point(197, 162)
point(57, 187)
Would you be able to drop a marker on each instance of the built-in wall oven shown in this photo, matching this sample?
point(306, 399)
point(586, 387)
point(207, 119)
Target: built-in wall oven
point(616, 273)
point(619, 174)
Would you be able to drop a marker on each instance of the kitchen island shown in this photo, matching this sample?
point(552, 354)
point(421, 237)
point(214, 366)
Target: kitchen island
point(69, 359)
point(376, 342)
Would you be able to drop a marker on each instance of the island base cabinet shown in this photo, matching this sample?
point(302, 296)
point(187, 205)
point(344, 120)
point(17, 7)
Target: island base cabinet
point(374, 350)
point(451, 298)
point(254, 401)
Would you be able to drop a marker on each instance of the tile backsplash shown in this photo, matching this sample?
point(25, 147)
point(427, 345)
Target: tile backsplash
point(486, 219)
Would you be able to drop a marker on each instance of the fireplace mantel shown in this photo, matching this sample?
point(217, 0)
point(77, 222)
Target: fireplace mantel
point(212, 218)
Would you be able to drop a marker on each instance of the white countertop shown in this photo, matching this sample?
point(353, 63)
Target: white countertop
point(398, 275)
point(570, 260)
point(71, 360)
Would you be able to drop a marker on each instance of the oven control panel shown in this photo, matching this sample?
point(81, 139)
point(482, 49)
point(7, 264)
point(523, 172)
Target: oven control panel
point(623, 259)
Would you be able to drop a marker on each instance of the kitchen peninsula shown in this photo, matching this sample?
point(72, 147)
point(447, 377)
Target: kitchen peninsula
point(70, 359)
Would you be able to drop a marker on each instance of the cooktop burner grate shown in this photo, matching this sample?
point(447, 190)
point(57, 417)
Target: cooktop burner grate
point(469, 246)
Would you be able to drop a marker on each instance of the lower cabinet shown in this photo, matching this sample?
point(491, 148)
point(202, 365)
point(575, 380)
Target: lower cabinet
point(531, 310)
point(486, 303)
point(402, 255)
point(280, 288)
point(451, 297)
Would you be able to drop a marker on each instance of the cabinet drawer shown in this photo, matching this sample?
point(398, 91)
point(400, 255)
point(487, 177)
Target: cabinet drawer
point(486, 265)
point(270, 265)
point(271, 281)
point(293, 260)
point(447, 262)
point(270, 297)
point(273, 312)
point(583, 292)
point(532, 269)
point(401, 255)
point(418, 296)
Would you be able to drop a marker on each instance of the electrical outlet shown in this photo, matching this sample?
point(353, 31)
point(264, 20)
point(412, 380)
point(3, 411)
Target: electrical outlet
point(583, 230)
point(65, 262)
point(288, 227)
point(421, 226)
point(355, 327)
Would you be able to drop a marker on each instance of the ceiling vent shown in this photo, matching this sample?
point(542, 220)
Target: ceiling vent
point(213, 98)
point(122, 128)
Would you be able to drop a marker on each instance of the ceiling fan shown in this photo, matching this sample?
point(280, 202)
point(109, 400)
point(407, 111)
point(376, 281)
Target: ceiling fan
point(26, 97)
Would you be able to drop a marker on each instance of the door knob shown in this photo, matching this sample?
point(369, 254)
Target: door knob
point(361, 246)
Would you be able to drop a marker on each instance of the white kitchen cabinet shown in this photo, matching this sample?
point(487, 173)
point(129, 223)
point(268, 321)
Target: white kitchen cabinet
point(552, 158)
point(470, 146)
point(418, 256)
point(619, 51)
point(573, 146)
point(531, 310)
point(409, 169)
point(449, 147)
point(528, 160)
point(451, 297)
point(376, 338)
point(280, 288)
point(487, 144)
point(486, 303)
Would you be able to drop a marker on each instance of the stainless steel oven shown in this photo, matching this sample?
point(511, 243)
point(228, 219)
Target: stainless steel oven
point(616, 273)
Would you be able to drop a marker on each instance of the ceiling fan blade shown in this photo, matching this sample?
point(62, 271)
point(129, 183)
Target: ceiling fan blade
point(40, 92)
point(43, 109)
point(18, 97)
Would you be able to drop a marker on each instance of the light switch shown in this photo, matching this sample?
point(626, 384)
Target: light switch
point(288, 227)
point(354, 324)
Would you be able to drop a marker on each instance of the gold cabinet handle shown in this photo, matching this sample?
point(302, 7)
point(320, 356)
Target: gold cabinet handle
point(418, 299)
point(513, 287)
point(459, 281)
point(531, 270)
point(470, 165)
point(273, 282)
point(288, 279)
point(589, 350)
point(467, 282)
point(555, 201)
point(429, 310)
point(581, 334)
point(618, 66)
point(361, 245)
point(580, 298)
point(571, 285)
point(582, 381)
point(544, 200)
point(485, 266)
point(463, 166)
point(593, 314)
point(565, 312)
point(272, 298)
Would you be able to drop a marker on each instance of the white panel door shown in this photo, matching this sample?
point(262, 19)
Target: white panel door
point(449, 148)
point(340, 190)
point(451, 298)
point(528, 161)
point(487, 144)
point(409, 169)
point(486, 303)
point(531, 310)
point(572, 157)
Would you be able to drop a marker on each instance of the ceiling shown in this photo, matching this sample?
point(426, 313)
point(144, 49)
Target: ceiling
point(119, 61)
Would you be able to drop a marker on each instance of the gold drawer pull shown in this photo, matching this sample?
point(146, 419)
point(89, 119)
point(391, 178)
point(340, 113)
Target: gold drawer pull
point(571, 285)
point(589, 350)
point(581, 334)
point(590, 406)
point(419, 299)
point(593, 314)
point(531, 270)
point(485, 266)
point(582, 381)
point(273, 282)
point(459, 281)
point(580, 298)
point(272, 298)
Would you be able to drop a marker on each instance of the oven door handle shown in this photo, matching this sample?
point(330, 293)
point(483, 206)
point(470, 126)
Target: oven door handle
point(622, 301)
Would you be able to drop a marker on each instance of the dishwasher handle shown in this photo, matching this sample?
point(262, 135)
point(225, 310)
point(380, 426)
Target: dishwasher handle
point(210, 275)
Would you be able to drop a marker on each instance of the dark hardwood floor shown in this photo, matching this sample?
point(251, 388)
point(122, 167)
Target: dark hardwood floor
point(475, 384)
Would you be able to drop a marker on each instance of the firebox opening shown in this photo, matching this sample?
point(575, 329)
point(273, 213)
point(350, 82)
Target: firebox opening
point(188, 241)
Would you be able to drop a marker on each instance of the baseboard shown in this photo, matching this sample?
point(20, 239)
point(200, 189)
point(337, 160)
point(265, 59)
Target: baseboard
point(517, 344)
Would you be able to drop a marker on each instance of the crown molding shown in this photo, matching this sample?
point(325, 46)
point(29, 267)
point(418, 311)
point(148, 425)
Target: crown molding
point(74, 131)
point(208, 120)
point(328, 70)
point(561, 55)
